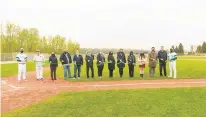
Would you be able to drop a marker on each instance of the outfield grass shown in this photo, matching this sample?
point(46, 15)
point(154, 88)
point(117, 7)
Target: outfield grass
point(12, 68)
point(192, 57)
point(176, 102)
point(185, 69)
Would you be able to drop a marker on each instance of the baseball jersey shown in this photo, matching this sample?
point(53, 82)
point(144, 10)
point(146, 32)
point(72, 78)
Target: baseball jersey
point(21, 58)
point(39, 59)
point(172, 56)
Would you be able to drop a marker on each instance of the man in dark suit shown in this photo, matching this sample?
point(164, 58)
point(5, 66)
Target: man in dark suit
point(131, 62)
point(89, 63)
point(78, 62)
point(100, 63)
point(162, 56)
point(111, 64)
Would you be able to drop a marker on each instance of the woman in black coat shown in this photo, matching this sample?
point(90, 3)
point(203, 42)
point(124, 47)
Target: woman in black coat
point(111, 63)
point(121, 60)
point(53, 65)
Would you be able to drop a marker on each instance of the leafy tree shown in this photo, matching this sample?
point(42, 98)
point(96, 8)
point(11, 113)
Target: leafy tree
point(199, 49)
point(15, 37)
point(176, 49)
point(12, 31)
point(181, 48)
point(204, 47)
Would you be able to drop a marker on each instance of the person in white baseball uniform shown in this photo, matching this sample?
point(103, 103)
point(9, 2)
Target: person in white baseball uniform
point(172, 56)
point(39, 59)
point(21, 59)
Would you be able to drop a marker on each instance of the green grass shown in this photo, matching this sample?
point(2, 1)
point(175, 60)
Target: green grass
point(185, 69)
point(192, 57)
point(12, 68)
point(176, 102)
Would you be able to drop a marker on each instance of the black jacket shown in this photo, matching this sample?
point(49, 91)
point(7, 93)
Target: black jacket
point(53, 61)
point(78, 60)
point(122, 57)
point(111, 66)
point(121, 61)
point(100, 60)
point(131, 59)
point(89, 60)
point(162, 55)
point(64, 60)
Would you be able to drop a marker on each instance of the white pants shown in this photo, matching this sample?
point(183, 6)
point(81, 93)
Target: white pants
point(172, 66)
point(39, 72)
point(21, 69)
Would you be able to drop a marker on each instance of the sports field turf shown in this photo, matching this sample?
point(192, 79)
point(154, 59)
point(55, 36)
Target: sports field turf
point(12, 68)
point(185, 69)
point(176, 102)
point(192, 57)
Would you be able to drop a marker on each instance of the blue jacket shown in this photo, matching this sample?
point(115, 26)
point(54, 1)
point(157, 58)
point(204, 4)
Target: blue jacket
point(78, 60)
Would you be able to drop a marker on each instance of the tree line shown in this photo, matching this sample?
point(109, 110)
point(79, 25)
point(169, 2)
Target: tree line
point(201, 48)
point(14, 37)
point(178, 49)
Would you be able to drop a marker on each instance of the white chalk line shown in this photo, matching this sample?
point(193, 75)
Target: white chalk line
point(105, 85)
point(4, 82)
point(10, 90)
point(12, 86)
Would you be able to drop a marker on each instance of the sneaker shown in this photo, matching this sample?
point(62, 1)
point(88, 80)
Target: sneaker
point(169, 76)
point(78, 77)
point(100, 77)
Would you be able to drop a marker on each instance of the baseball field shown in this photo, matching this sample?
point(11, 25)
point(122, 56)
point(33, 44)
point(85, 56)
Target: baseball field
point(136, 97)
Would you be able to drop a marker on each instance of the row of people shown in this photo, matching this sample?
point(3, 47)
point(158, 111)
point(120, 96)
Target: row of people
point(66, 61)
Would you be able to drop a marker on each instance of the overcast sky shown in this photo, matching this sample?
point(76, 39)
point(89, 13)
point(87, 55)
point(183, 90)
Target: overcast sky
point(137, 24)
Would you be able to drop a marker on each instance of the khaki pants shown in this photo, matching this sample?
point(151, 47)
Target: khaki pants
point(151, 71)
